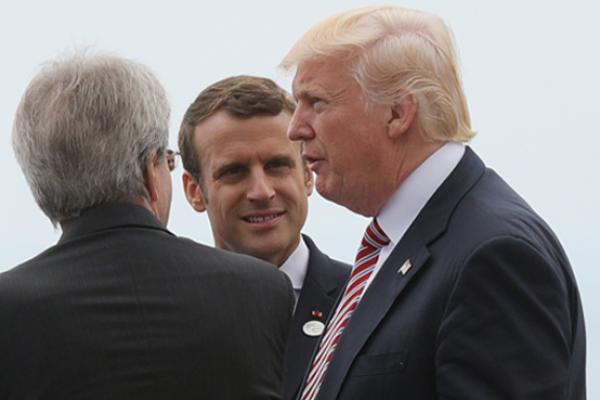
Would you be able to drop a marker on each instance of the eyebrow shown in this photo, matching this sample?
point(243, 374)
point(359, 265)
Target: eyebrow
point(311, 87)
point(301, 94)
point(318, 91)
point(224, 168)
point(283, 158)
point(238, 164)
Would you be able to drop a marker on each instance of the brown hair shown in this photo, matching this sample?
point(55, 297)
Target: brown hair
point(241, 96)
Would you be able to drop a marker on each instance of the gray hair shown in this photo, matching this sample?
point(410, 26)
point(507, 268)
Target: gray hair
point(85, 129)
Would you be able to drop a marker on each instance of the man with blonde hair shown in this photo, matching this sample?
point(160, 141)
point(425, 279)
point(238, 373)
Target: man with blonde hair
point(459, 289)
point(120, 308)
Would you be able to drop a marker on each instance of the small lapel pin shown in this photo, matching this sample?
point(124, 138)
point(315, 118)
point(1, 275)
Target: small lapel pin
point(313, 328)
point(405, 267)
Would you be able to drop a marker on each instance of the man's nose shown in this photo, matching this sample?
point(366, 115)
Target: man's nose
point(299, 128)
point(261, 187)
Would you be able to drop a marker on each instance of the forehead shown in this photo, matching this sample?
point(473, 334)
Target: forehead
point(225, 138)
point(318, 72)
point(329, 75)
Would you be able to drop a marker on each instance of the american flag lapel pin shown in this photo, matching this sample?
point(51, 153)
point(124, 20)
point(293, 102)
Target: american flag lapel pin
point(405, 267)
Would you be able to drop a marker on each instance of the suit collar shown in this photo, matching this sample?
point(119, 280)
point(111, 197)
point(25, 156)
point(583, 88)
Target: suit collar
point(296, 265)
point(403, 207)
point(389, 283)
point(327, 279)
point(108, 216)
point(434, 217)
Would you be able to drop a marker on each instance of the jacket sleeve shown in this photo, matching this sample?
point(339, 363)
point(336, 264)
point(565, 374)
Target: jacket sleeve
point(507, 332)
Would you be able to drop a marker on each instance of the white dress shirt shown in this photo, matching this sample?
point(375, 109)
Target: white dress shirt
point(295, 267)
point(404, 205)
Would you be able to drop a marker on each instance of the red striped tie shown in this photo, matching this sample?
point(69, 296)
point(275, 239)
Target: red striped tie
point(364, 265)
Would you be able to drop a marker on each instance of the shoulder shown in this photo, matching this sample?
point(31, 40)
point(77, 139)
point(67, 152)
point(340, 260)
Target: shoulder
point(493, 210)
point(320, 263)
point(26, 278)
point(492, 230)
point(234, 263)
point(23, 290)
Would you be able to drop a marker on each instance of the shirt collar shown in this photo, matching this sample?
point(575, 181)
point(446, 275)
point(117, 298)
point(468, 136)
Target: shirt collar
point(296, 265)
point(404, 205)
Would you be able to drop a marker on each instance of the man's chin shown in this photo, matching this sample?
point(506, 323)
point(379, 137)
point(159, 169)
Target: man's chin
point(262, 250)
point(324, 188)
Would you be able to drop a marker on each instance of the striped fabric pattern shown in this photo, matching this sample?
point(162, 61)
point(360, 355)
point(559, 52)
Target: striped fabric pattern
point(367, 256)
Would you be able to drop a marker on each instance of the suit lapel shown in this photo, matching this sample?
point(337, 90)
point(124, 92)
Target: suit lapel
point(389, 283)
point(300, 346)
point(319, 292)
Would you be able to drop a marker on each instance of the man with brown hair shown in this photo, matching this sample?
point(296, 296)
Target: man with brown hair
point(241, 168)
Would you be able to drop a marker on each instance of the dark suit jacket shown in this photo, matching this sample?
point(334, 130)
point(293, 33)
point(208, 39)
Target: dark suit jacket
point(489, 309)
point(120, 308)
point(324, 280)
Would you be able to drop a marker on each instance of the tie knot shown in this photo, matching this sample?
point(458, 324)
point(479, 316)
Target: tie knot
point(375, 236)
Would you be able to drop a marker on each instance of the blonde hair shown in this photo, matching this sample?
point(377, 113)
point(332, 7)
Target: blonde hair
point(395, 52)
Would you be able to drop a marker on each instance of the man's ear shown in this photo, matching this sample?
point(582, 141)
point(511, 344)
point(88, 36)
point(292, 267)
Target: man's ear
point(403, 116)
point(151, 184)
point(193, 192)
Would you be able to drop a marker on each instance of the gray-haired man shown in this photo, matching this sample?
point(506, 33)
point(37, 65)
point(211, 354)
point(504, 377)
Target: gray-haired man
point(120, 308)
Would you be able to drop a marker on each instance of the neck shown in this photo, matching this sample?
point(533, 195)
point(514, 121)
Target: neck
point(408, 158)
point(148, 205)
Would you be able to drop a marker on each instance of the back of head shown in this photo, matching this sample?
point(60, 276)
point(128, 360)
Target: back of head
point(241, 96)
point(84, 130)
point(392, 52)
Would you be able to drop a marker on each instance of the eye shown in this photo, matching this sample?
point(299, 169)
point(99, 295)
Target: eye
point(278, 165)
point(231, 173)
point(317, 103)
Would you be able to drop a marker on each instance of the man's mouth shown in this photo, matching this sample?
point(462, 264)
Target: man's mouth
point(260, 220)
point(257, 219)
point(311, 160)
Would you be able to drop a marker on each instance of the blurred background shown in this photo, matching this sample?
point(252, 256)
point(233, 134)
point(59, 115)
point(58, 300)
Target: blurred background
point(530, 71)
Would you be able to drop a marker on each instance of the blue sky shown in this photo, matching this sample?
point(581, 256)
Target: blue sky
point(530, 71)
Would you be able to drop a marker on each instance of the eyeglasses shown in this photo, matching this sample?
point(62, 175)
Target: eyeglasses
point(171, 156)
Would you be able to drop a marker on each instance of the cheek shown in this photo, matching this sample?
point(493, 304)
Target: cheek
point(340, 140)
point(343, 156)
point(222, 202)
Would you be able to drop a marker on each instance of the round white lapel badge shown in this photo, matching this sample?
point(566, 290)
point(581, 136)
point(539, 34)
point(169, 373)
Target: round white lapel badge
point(313, 328)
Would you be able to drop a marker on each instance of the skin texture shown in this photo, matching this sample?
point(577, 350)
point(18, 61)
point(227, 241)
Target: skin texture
point(349, 141)
point(255, 185)
point(158, 183)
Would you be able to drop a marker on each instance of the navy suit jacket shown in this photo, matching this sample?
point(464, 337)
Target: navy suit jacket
point(488, 310)
point(325, 278)
point(121, 308)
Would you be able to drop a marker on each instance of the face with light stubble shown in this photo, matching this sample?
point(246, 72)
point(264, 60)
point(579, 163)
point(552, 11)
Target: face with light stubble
point(254, 184)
